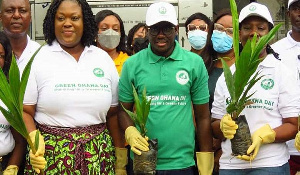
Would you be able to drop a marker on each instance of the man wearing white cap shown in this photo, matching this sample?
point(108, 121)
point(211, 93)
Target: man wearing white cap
point(289, 53)
point(175, 79)
point(272, 116)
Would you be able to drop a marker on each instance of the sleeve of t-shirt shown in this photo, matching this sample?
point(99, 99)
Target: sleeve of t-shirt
point(219, 105)
point(125, 84)
point(289, 96)
point(31, 92)
point(115, 84)
point(199, 89)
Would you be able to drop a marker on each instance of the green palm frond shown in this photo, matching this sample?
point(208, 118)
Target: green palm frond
point(242, 80)
point(142, 109)
point(12, 92)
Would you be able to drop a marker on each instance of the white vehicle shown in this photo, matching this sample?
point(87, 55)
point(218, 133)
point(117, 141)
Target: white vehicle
point(131, 12)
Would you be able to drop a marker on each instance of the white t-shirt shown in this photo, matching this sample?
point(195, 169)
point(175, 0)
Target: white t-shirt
point(31, 47)
point(289, 50)
point(276, 97)
point(70, 93)
point(7, 142)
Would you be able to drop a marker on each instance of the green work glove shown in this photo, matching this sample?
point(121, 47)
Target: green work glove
point(263, 135)
point(297, 141)
point(136, 141)
point(11, 170)
point(228, 126)
point(37, 160)
point(205, 162)
point(121, 161)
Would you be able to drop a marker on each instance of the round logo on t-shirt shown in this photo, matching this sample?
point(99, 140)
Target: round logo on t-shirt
point(98, 72)
point(182, 77)
point(267, 84)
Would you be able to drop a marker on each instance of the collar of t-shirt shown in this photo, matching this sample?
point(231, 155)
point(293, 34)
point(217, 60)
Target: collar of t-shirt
point(176, 54)
point(57, 48)
point(292, 42)
point(20, 59)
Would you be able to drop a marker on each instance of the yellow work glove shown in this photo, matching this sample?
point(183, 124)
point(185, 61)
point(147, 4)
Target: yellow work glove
point(263, 135)
point(121, 161)
point(297, 141)
point(37, 160)
point(205, 162)
point(136, 141)
point(11, 170)
point(228, 126)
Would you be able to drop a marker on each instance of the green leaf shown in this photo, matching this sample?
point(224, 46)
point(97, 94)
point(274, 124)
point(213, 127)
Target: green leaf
point(14, 79)
point(36, 142)
point(229, 80)
point(16, 124)
point(235, 24)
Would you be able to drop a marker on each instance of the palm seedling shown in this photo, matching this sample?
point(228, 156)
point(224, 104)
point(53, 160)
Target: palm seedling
point(243, 79)
point(12, 92)
point(142, 108)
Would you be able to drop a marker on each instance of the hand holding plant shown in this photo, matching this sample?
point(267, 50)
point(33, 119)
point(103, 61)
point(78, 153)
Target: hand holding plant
point(138, 141)
point(12, 94)
point(242, 81)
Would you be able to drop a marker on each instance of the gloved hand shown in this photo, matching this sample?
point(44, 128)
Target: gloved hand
point(228, 126)
point(263, 135)
point(297, 141)
point(11, 170)
point(136, 141)
point(37, 160)
point(205, 162)
point(121, 161)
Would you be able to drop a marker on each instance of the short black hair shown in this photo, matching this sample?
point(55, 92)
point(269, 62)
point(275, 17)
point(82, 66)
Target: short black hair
point(200, 16)
point(131, 33)
point(89, 24)
point(101, 15)
point(4, 41)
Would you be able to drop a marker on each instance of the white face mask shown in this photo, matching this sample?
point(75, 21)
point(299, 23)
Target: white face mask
point(109, 39)
point(197, 39)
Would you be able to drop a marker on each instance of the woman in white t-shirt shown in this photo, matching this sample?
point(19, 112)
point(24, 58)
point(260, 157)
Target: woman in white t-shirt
point(272, 118)
point(72, 97)
point(11, 142)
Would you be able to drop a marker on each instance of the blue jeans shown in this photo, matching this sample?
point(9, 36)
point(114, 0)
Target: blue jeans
point(185, 171)
point(280, 170)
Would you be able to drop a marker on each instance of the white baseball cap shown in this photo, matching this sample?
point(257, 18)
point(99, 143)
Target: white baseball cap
point(161, 11)
point(291, 2)
point(255, 9)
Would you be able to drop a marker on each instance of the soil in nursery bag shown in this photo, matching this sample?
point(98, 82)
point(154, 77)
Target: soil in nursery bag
point(242, 138)
point(145, 164)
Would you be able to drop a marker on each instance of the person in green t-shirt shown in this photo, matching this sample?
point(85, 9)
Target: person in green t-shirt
point(176, 81)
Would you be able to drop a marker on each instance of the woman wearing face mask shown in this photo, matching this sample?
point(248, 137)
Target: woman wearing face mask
point(111, 36)
point(272, 117)
point(137, 38)
point(196, 28)
point(219, 45)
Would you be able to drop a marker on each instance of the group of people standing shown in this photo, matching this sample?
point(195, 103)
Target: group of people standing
point(82, 78)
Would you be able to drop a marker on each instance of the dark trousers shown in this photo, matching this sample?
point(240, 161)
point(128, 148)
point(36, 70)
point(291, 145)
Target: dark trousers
point(186, 171)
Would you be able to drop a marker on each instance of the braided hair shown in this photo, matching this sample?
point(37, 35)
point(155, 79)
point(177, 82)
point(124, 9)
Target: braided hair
point(89, 29)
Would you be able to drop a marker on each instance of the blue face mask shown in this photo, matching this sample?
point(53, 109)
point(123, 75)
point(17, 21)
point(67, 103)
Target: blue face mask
point(222, 42)
point(197, 39)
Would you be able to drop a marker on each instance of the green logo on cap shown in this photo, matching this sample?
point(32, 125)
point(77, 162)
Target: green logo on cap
point(267, 84)
point(252, 8)
point(162, 10)
point(98, 72)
